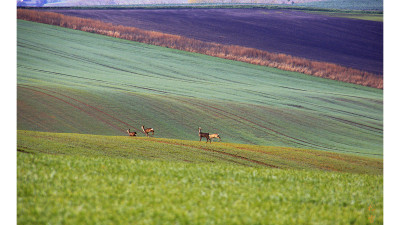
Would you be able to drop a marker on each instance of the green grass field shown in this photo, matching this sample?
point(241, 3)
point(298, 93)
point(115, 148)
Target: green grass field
point(353, 15)
point(295, 149)
point(75, 82)
point(93, 179)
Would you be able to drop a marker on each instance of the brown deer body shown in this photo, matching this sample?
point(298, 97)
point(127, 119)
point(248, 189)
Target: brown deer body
point(133, 134)
point(147, 130)
point(205, 135)
point(214, 136)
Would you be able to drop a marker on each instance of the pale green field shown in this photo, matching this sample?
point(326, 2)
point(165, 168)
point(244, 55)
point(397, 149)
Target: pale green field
point(353, 15)
point(354, 5)
point(72, 81)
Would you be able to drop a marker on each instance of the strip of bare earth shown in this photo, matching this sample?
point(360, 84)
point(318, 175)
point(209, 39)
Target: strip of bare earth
point(231, 52)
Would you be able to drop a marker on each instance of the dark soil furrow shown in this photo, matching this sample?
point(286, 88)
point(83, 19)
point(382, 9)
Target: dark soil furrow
point(220, 152)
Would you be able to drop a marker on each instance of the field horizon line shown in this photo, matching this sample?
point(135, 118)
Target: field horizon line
point(206, 6)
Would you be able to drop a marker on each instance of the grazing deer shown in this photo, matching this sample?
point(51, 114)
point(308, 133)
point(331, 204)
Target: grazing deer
point(133, 134)
point(147, 131)
point(214, 136)
point(205, 135)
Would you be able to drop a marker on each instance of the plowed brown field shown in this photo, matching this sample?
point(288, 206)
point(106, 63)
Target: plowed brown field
point(348, 42)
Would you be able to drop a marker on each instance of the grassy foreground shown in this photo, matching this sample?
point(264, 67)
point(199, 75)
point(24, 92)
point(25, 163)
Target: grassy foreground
point(89, 179)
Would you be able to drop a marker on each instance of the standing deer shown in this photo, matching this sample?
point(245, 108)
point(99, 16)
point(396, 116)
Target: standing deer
point(205, 135)
point(147, 131)
point(214, 136)
point(133, 134)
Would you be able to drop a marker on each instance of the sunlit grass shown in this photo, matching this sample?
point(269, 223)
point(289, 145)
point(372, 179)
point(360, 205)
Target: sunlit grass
point(78, 189)
point(161, 149)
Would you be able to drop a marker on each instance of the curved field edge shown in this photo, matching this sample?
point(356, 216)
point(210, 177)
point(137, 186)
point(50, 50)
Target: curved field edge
point(161, 149)
point(232, 52)
point(84, 189)
point(67, 83)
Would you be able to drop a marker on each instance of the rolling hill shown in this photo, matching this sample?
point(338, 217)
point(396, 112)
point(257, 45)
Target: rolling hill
point(295, 149)
point(92, 179)
point(77, 82)
point(172, 150)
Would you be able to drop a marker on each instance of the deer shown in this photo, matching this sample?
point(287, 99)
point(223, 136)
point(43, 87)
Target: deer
point(214, 136)
point(205, 135)
point(147, 131)
point(132, 134)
